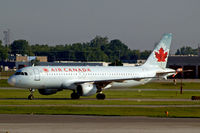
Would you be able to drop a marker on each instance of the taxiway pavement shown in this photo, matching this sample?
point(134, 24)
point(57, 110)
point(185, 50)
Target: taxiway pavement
point(95, 124)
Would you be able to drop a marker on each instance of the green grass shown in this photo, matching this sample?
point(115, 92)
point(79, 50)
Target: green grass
point(3, 83)
point(63, 105)
point(23, 93)
point(150, 94)
point(7, 73)
point(169, 85)
point(94, 102)
point(110, 111)
point(123, 95)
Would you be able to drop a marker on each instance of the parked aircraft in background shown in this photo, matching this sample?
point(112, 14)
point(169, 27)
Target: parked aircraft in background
point(89, 80)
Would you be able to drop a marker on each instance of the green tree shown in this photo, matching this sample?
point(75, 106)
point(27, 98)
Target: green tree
point(116, 50)
point(35, 62)
point(20, 47)
point(98, 49)
point(3, 52)
point(186, 51)
point(116, 63)
point(134, 54)
point(145, 54)
point(99, 41)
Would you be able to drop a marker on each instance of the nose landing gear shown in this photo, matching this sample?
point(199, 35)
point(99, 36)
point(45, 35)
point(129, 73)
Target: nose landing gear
point(31, 97)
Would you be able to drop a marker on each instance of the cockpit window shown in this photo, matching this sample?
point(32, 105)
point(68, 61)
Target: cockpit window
point(17, 73)
point(21, 73)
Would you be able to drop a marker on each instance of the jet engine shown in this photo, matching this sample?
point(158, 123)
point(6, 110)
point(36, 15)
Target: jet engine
point(86, 89)
point(48, 91)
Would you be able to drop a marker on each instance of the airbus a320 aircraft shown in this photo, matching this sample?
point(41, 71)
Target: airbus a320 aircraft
point(89, 80)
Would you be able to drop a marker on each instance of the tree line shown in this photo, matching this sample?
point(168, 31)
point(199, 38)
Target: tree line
point(186, 50)
point(98, 49)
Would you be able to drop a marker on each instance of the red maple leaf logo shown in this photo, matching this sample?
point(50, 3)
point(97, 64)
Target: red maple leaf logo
point(45, 69)
point(161, 55)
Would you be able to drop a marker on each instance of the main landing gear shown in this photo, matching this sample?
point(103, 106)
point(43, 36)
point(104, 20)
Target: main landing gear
point(31, 97)
point(100, 96)
point(75, 95)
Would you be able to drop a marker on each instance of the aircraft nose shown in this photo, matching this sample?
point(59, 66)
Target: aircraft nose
point(12, 81)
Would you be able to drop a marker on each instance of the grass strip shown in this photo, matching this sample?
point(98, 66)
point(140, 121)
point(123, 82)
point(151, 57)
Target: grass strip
point(169, 85)
point(23, 93)
point(105, 111)
point(3, 83)
point(95, 102)
point(7, 73)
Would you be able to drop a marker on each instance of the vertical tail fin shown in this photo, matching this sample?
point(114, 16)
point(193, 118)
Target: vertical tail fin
point(159, 56)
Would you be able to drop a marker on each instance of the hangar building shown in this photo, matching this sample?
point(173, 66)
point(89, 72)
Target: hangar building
point(191, 62)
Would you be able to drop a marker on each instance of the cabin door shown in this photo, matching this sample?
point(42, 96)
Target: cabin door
point(37, 74)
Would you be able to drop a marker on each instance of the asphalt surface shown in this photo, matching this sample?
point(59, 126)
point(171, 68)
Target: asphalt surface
point(95, 124)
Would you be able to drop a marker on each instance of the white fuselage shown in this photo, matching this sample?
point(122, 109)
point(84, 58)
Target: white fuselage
point(56, 77)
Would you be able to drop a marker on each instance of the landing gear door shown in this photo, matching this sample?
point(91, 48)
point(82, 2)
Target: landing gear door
point(37, 74)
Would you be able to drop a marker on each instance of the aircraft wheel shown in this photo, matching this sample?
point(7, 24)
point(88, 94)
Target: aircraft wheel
point(101, 96)
point(75, 96)
point(30, 97)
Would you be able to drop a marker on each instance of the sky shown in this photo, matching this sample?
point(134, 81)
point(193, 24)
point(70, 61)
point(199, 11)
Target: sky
point(137, 23)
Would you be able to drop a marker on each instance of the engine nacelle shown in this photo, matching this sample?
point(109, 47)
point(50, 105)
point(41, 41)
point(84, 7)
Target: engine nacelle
point(48, 91)
point(86, 89)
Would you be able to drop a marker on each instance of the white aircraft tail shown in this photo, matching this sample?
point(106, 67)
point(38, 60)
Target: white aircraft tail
point(159, 56)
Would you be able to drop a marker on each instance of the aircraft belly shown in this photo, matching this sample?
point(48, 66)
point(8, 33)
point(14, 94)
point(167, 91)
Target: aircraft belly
point(48, 83)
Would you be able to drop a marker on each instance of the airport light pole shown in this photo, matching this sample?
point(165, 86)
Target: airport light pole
point(181, 89)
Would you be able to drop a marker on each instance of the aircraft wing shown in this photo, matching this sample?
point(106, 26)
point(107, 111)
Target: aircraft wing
point(105, 82)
